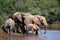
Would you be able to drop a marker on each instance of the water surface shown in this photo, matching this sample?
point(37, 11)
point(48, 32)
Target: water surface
point(50, 35)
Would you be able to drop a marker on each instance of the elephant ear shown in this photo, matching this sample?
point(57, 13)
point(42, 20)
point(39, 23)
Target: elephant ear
point(18, 15)
point(14, 15)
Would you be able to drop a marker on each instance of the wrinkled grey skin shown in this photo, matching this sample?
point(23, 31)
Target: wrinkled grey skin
point(9, 26)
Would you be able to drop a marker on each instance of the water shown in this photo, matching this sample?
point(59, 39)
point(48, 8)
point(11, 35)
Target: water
point(50, 35)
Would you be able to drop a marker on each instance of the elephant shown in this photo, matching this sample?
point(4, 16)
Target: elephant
point(42, 20)
point(23, 19)
point(32, 27)
point(35, 19)
point(9, 26)
point(31, 19)
point(19, 20)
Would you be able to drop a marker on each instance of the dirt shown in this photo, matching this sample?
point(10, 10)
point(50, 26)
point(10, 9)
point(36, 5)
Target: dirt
point(19, 36)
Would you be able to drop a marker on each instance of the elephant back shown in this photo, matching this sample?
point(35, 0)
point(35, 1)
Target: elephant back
point(9, 22)
point(36, 20)
point(28, 18)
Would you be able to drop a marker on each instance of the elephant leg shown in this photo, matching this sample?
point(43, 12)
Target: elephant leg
point(17, 29)
point(36, 31)
point(9, 30)
point(6, 29)
point(27, 32)
point(26, 29)
point(33, 31)
point(23, 30)
point(12, 27)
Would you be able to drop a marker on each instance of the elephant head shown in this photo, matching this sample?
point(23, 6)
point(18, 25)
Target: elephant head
point(43, 20)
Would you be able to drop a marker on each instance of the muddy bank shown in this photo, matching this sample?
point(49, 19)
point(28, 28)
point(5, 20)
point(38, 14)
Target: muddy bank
point(18, 36)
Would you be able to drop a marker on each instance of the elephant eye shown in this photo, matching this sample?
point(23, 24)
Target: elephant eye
point(42, 23)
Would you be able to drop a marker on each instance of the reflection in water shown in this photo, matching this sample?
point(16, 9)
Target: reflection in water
point(43, 36)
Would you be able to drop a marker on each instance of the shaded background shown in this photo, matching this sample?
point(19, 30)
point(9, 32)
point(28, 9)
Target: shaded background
point(48, 8)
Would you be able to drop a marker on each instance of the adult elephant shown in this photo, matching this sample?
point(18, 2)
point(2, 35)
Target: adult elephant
point(42, 20)
point(31, 19)
point(19, 20)
point(9, 25)
point(35, 19)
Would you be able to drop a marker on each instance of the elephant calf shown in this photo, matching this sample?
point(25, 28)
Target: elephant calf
point(32, 27)
point(9, 25)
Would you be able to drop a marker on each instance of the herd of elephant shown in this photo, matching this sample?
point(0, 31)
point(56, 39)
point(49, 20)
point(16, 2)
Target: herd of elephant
point(24, 22)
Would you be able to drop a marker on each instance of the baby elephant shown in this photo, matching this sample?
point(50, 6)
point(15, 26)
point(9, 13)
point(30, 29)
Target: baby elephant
point(9, 25)
point(32, 27)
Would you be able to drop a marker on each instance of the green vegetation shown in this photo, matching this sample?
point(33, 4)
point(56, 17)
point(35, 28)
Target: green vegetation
point(48, 8)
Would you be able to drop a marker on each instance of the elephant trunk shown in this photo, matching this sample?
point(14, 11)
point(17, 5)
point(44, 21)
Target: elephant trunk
point(46, 26)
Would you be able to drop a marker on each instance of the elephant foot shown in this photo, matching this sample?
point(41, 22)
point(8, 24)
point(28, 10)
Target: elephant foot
point(36, 32)
point(6, 32)
point(18, 32)
point(24, 31)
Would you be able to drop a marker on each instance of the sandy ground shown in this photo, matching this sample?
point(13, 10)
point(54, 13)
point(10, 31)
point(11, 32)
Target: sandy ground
point(19, 36)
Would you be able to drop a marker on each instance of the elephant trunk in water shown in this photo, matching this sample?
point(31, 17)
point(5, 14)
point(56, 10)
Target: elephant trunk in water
point(43, 21)
point(45, 29)
point(46, 25)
